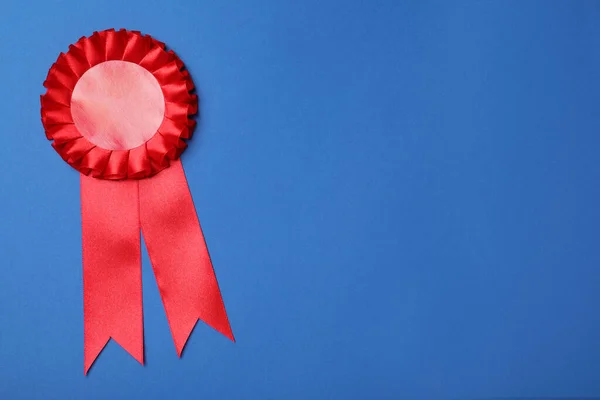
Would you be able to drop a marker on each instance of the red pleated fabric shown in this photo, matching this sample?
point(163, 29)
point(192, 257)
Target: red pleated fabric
point(140, 162)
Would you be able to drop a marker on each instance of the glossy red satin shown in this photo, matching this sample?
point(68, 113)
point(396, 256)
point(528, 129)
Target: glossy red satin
point(112, 215)
point(183, 269)
point(131, 180)
point(112, 269)
point(117, 161)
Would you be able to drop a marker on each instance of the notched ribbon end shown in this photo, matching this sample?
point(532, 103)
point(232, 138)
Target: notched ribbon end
point(91, 352)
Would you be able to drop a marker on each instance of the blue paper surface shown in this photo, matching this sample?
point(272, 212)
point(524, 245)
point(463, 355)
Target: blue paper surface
point(401, 201)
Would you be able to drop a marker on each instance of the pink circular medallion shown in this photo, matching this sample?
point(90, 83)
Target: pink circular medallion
point(117, 105)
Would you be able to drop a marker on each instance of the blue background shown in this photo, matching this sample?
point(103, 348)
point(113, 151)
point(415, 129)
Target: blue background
point(401, 200)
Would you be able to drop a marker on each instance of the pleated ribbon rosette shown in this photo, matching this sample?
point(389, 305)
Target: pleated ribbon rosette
point(118, 108)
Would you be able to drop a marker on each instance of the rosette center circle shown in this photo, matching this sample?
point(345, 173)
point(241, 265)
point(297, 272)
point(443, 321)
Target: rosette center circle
point(117, 105)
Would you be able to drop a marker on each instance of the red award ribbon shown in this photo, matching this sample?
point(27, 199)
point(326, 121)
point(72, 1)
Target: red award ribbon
point(118, 108)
